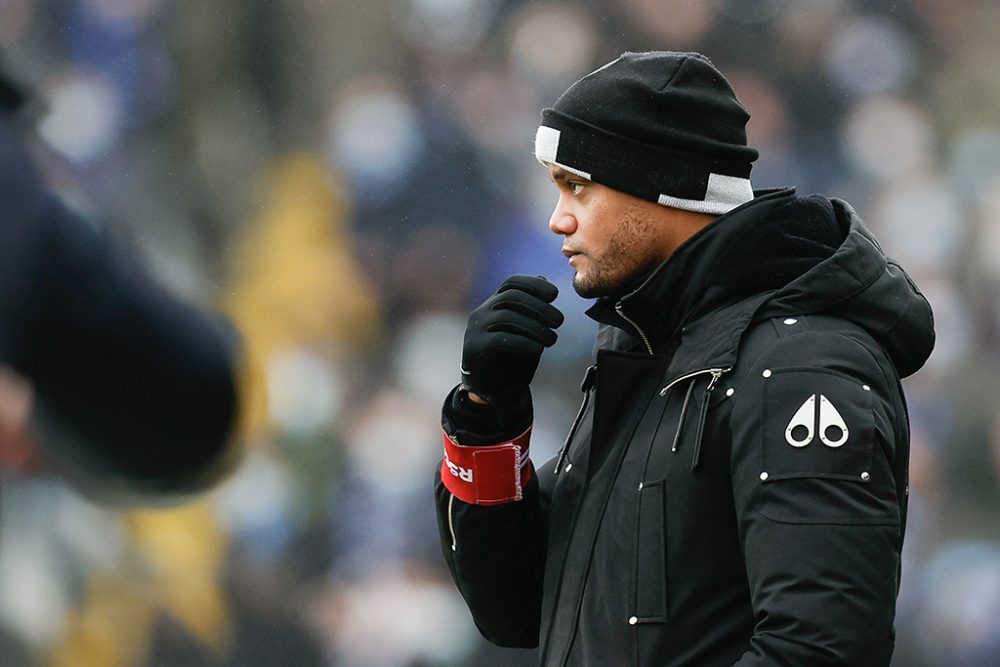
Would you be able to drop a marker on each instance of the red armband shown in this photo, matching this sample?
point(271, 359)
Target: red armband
point(489, 474)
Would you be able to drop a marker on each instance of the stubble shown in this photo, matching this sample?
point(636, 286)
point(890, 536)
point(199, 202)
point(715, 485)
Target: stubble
point(629, 255)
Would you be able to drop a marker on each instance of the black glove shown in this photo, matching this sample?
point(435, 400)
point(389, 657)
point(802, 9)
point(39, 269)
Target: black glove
point(506, 336)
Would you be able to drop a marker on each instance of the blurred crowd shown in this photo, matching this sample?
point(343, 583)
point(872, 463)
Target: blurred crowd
point(347, 179)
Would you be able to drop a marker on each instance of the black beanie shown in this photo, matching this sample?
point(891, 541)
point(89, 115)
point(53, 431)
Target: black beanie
point(661, 125)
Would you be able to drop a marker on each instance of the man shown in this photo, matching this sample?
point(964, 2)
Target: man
point(126, 391)
point(733, 490)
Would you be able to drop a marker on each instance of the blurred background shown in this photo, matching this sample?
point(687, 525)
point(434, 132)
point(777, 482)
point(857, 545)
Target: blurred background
point(346, 179)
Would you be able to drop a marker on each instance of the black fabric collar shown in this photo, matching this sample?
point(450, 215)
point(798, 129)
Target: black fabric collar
point(753, 250)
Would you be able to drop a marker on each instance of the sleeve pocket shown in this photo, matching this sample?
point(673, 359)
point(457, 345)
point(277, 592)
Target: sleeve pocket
point(818, 450)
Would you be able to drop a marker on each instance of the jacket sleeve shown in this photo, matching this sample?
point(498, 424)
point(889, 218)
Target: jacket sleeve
point(135, 393)
point(819, 459)
point(496, 554)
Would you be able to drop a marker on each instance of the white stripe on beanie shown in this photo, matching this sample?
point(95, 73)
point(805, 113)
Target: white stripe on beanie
point(547, 147)
point(723, 194)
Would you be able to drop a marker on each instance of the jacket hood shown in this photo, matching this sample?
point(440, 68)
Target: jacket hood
point(777, 255)
point(859, 283)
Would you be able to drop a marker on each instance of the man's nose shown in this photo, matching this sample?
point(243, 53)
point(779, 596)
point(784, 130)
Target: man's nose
point(562, 221)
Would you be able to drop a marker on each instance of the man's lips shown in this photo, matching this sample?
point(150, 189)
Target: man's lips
point(571, 256)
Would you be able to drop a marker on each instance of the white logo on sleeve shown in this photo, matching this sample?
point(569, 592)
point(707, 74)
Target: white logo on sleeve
point(801, 428)
point(808, 421)
point(464, 474)
point(833, 430)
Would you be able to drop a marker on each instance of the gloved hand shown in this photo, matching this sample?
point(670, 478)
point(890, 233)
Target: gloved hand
point(506, 336)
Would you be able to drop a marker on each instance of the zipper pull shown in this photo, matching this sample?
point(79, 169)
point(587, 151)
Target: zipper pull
point(696, 457)
point(716, 374)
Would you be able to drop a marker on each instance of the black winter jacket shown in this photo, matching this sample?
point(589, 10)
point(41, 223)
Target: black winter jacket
point(734, 488)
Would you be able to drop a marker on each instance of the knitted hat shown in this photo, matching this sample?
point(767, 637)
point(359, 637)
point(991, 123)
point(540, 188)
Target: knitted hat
point(661, 125)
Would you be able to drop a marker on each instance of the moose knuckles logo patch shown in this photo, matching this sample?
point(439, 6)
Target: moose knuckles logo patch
point(817, 418)
point(815, 423)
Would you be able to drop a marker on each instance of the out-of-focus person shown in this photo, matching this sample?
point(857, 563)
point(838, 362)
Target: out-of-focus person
point(107, 379)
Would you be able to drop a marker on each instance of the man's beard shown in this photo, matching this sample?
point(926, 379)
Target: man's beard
point(594, 287)
point(625, 260)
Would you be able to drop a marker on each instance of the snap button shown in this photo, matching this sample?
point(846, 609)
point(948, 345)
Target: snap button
point(766, 373)
point(865, 476)
point(730, 391)
point(763, 476)
point(633, 620)
point(789, 321)
point(569, 466)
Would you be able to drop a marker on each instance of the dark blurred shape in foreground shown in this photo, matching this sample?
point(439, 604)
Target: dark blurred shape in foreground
point(131, 393)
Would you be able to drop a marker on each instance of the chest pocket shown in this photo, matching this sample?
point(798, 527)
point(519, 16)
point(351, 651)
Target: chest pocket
point(676, 438)
point(650, 588)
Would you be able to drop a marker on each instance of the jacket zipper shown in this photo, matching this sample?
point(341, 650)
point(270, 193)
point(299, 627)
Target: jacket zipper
point(716, 374)
point(642, 334)
point(451, 524)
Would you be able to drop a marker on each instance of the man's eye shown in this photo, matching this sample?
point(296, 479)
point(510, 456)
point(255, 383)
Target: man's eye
point(575, 187)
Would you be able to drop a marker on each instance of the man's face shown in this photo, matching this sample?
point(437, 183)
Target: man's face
point(609, 237)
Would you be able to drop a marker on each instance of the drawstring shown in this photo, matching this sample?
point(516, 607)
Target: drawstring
point(588, 382)
point(702, 415)
point(696, 458)
point(680, 420)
